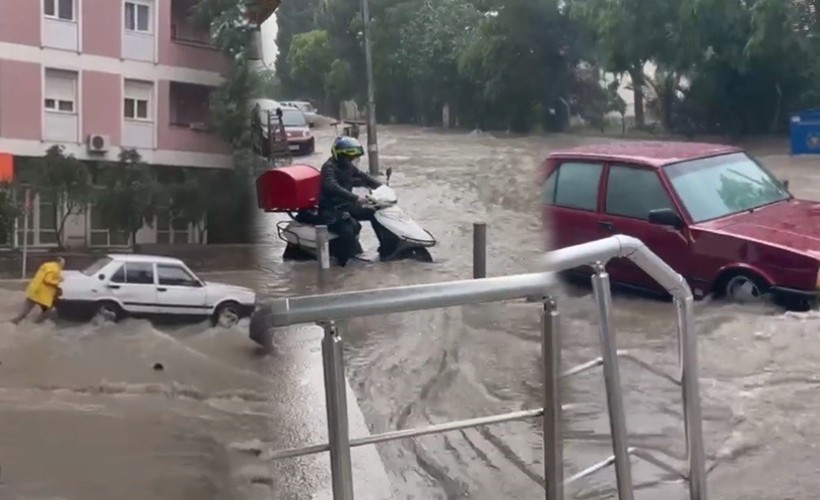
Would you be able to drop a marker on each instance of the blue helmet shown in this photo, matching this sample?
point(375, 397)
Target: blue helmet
point(346, 146)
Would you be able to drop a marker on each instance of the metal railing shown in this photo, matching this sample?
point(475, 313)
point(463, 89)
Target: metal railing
point(326, 309)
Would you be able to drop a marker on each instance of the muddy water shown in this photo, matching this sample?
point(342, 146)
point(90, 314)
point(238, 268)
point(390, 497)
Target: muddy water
point(84, 414)
point(758, 365)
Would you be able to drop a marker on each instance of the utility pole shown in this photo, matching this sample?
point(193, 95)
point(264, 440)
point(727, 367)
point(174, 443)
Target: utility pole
point(372, 141)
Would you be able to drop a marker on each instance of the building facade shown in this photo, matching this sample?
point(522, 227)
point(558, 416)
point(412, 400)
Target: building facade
point(99, 76)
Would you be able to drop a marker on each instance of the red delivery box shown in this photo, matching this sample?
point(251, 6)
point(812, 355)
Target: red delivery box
point(288, 189)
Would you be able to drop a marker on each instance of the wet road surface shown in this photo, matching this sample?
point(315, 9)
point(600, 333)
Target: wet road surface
point(758, 377)
point(84, 416)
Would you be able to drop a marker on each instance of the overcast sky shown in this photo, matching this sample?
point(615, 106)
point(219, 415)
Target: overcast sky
point(269, 29)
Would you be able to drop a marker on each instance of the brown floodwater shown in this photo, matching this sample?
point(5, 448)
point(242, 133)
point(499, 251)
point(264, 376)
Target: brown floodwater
point(85, 416)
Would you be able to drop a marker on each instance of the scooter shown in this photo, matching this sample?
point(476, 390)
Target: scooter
point(403, 237)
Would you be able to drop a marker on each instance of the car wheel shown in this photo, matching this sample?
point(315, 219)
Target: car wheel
point(108, 311)
point(744, 289)
point(226, 315)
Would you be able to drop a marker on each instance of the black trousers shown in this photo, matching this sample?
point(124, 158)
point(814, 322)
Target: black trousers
point(345, 224)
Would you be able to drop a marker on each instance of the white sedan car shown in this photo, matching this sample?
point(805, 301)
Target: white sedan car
point(119, 285)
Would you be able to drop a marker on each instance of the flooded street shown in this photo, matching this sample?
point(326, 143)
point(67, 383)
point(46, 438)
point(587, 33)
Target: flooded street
point(86, 413)
point(128, 411)
point(759, 383)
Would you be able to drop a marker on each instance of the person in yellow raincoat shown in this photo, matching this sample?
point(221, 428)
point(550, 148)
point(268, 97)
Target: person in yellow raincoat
point(43, 289)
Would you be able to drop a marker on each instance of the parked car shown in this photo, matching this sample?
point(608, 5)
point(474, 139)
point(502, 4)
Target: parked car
point(120, 285)
point(300, 139)
point(712, 212)
point(306, 108)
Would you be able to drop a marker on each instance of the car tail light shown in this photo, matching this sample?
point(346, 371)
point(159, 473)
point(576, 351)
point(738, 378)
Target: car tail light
point(817, 281)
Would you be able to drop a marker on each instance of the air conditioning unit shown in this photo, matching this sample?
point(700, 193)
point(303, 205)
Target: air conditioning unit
point(98, 143)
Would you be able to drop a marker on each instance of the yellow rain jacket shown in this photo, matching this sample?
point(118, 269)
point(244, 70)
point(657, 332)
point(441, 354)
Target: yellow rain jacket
point(43, 287)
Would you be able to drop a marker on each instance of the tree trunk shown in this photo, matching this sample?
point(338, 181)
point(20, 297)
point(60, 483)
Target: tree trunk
point(636, 74)
point(60, 230)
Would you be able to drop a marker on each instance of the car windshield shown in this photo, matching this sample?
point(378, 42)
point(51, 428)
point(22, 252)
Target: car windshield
point(96, 266)
point(293, 118)
point(715, 187)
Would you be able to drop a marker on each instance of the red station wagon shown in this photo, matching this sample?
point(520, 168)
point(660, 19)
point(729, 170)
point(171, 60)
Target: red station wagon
point(712, 212)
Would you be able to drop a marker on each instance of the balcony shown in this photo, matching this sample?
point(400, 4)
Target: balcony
point(183, 43)
point(183, 28)
point(185, 107)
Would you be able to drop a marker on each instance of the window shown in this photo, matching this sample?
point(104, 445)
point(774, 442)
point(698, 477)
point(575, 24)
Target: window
point(60, 91)
point(139, 273)
point(137, 17)
point(190, 104)
point(723, 185)
point(574, 185)
point(136, 103)
point(175, 276)
point(634, 192)
point(136, 109)
point(119, 275)
point(293, 118)
point(59, 9)
point(96, 266)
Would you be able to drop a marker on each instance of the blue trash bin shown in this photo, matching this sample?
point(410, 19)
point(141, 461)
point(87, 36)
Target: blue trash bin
point(804, 132)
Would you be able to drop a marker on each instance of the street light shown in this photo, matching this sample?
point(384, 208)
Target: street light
point(372, 141)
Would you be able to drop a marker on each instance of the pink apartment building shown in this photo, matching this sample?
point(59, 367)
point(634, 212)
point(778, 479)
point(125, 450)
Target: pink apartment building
point(100, 75)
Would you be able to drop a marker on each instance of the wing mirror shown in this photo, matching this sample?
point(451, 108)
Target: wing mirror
point(665, 217)
point(389, 173)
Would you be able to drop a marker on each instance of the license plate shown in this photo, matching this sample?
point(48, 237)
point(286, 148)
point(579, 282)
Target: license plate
point(294, 147)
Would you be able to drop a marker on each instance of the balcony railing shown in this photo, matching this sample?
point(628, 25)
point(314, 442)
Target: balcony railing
point(326, 309)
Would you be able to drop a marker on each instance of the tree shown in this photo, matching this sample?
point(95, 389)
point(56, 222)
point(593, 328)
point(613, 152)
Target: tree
point(9, 211)
point(130, 197)
point(309, 60)
point(65, 181)
point(339, 84)
point(187, 203)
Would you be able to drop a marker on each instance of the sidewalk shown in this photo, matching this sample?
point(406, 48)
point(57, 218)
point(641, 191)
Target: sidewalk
point(298, 419)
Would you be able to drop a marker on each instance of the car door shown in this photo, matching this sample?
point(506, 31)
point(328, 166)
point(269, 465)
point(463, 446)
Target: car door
point(631, 192)
point(133, 285)
point(179, 291)
point(570, 197)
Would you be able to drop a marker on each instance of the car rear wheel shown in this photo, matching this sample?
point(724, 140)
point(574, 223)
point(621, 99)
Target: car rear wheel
point(744, 289)
point(226, 315)
point(108, 311)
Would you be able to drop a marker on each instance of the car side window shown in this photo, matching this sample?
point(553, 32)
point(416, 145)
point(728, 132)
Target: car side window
point(139, 273)
point(119, 275)
point(574, 185)
point(634, 192)
point(175, 276)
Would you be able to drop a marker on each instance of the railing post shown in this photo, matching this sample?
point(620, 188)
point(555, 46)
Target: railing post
point(612, 382)
point(687, 342)
point(479, 250)
point(553, 441)
point(322, 254)
point(337, 421)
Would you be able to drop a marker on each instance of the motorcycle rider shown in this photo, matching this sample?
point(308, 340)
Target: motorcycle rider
point(339, 207)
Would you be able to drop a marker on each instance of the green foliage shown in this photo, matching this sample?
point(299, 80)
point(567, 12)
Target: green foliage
point(9, 211)
point(233, 35)
point(189, 200)
point(66, 181)
point(340, 83)
point(309, 60)
point(725, 66)
point(130, 196)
